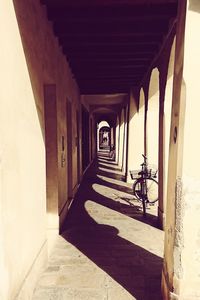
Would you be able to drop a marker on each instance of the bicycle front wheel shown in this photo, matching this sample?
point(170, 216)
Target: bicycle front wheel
point(150, 190)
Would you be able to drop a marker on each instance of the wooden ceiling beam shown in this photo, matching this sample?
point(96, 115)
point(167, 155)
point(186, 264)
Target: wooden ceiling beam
point(110, 61)
point(103, 90)
point(103, 3)
point(108, 80)
point(112, 13)
point(85, 75)
point(88, 35)
point(143, 55)
point(115, 75)
point(94, 77)
point(110, 39)
point(104, 69)
point(110, 44)
point(106, 44)
point(112, 84)
point(108, 65)
point(111, 49)
point(145, 26)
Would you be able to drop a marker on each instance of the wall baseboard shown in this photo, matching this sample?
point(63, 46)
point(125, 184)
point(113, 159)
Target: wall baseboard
point(30, 281)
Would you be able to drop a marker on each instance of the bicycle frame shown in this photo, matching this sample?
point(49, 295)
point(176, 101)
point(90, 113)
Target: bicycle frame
point(141, 188)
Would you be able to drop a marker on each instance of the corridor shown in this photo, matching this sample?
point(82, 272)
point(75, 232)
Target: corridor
point(107, 250)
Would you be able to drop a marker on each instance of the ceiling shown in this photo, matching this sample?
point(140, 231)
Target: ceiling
point(110, 44)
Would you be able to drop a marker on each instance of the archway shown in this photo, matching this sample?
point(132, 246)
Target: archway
point(103, 136)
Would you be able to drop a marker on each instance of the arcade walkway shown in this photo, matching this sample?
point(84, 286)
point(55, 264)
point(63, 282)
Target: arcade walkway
point(107, 251)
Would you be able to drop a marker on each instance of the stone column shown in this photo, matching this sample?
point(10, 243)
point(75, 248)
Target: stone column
point(181, 274)
point(152, 118)
point(135, 132)
point(117, 141)
point(121, 142)
point(166, 68)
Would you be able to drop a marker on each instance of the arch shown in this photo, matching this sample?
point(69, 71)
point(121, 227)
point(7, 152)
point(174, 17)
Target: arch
point(103, 135)
point(103, 124)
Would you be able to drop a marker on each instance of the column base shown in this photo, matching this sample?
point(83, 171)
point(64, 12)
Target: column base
point(161, 219)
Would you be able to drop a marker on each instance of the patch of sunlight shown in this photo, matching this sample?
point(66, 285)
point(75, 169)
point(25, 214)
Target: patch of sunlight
point(109, 192)
point(112, 180)
point(128, 229)
point(108, 165)
point(109, 171)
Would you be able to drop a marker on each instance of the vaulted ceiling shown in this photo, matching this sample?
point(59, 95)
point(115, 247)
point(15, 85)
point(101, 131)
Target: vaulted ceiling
point(110, 44)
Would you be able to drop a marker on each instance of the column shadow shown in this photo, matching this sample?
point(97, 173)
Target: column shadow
point(132, 267)
point(130, 209)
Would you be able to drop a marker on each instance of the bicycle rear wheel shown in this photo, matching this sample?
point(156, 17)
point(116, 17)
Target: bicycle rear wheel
point(151, 188)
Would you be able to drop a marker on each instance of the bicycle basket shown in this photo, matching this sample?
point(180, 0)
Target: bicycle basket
point(152, 171)
point(134, 174)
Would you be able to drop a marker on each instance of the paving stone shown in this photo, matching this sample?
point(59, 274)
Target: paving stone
point(107, 251)
point(121, 294)
point(53, 294)
point(81, 278)
point(90, 294)
point(52, 269)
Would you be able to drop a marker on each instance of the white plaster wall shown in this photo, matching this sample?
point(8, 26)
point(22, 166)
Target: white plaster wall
point(117, 141)
point(153, 118)
point(29, 60)
point(125, 139)
point(22, 163)
point(190, 287)
point(182, 256)
point(167, 116)
point(136, 134)
point(121, 139)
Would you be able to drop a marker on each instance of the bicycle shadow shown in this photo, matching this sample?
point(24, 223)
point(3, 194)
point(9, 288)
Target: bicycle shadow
point(132, 208)
point(150, 218)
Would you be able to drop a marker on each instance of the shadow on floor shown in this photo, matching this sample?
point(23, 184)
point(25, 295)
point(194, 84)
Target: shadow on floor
point(134, 268)
point(106, 166)
point(132, 210)
point(105, 172)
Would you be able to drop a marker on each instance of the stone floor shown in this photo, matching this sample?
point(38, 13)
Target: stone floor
point(108, 250)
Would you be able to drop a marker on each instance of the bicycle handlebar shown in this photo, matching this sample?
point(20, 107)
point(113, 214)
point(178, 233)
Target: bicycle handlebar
point(144, 156)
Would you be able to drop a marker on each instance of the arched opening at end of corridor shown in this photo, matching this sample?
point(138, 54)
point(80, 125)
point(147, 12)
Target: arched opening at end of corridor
point(103, 136)
point(104, 139)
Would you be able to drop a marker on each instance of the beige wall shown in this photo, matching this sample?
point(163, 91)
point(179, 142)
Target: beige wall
point(182, 257)
point(153, 118)
point(190, 254)
point(167, 122)
point(121, 138)
point(126, 113)
point(30, 57)
point(135, 133)
point(117, 141)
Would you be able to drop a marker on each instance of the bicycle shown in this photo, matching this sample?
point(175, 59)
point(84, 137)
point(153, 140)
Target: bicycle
point(145, 187)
